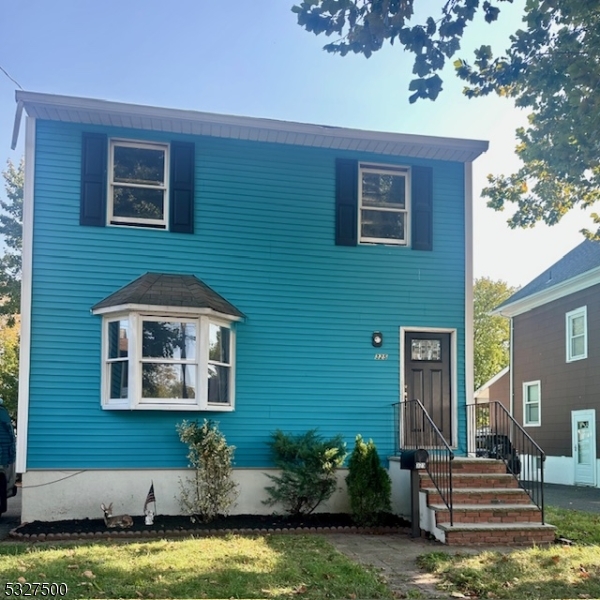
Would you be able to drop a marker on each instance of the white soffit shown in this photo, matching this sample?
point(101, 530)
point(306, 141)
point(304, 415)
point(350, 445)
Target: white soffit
point(117, 114)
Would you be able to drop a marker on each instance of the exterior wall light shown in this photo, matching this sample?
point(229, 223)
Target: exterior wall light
point(377, 339)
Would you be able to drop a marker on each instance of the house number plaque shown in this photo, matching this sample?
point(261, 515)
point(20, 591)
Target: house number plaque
point(381, 357)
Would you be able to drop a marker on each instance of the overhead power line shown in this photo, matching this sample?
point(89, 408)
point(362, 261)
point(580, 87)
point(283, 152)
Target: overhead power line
point(13, 80)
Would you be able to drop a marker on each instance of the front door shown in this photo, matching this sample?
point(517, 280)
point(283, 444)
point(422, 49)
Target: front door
point(427, 363)
point(583, 430)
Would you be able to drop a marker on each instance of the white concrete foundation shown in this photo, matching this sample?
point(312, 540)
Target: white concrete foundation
point(561, 469)
point(58, 495)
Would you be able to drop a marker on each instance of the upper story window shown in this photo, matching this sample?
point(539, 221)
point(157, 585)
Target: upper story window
point(577, 334)
point(384, 196)
point(383, 204)
point(532, 399)
point(138, 184)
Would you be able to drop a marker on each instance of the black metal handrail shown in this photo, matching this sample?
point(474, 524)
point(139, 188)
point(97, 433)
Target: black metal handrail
point(415, 429)
point(494, 433)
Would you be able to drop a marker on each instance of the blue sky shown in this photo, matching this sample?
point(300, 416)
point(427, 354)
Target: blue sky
point(249, 57)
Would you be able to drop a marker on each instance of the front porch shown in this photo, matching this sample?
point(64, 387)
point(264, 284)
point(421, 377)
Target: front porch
point(492, 494)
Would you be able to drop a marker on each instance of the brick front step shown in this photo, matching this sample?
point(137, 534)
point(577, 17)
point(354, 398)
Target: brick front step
point(477, 465)
point(476, 480)
point(498, 496)
point(488, 513)
point(498, 534)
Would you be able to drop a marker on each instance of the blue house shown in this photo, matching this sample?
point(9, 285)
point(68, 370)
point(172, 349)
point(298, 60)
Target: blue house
point(264, 274)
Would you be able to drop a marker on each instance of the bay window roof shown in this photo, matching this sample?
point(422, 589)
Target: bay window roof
point(154, 290)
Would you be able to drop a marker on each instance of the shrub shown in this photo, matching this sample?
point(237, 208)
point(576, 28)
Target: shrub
point(308, 464)
point(369, 485)
point(210, 491)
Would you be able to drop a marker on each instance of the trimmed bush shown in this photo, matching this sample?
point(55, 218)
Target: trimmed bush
point(210, 491)
point(308, 464)
point(369, 485)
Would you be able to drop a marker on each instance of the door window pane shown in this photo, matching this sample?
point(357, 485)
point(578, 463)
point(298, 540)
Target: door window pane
point(426, 350)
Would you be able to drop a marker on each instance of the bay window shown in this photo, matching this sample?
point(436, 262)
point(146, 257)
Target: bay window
point(168, 362)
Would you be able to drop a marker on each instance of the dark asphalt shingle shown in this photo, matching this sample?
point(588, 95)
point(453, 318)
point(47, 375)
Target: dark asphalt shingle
point(162, 289)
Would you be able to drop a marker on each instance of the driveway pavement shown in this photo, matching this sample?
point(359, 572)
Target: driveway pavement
point(570, 496)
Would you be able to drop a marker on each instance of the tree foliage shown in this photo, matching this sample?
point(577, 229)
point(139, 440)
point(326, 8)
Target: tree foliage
point(551, 69)
point(364, 26)
point(492, 333)
point(11, 231)
point(9, 365)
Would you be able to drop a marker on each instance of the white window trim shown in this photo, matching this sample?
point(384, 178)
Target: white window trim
point(386, 169)
point(112, 220)
point(526, 385)
point(578, 312)
point(134, 400)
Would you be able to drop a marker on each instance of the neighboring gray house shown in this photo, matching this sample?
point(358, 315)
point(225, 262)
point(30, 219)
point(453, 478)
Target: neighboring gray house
point(555, 364)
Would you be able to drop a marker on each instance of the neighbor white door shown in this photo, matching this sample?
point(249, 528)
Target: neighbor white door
point(583, 426)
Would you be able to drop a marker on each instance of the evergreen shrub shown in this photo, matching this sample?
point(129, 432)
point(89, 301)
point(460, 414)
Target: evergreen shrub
point(308, 464)
point(369, 485)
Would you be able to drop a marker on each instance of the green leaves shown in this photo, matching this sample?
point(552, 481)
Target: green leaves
point(11, 230)
point(369, 485)
point(308, 464)
point(551, 68)
point(210, 491)
point(491, 333)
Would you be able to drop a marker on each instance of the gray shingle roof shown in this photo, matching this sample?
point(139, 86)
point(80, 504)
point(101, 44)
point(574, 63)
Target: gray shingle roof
point(581, 259)
point(161, 289)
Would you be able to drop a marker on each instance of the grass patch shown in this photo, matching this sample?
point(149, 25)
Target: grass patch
point(232, 567)
point(576, 525)
point(533, 573)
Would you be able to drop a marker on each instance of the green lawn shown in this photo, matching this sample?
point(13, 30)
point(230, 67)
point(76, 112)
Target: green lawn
point(558, 571)
point(231, 567)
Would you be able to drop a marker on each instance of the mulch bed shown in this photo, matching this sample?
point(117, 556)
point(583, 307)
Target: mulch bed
point(183, 526)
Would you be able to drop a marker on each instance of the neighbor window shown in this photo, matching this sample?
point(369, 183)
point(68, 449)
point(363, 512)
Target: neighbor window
point(137, 185)
point(577, 334)
point(384, 204)
point(168, 362)
point(532, 403)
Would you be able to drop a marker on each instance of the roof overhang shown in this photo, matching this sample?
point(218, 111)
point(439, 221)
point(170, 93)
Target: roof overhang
point(152, 309)
point(560, 290)
point(491, 381)
point(133, 116)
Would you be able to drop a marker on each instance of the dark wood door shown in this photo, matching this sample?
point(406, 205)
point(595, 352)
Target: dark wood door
point(427, 376)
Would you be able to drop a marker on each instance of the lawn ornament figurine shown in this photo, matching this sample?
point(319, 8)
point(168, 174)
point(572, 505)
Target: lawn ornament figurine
point(150, 499)
point(111, 521)
point(149, 520)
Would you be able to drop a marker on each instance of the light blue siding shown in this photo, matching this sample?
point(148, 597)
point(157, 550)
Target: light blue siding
point(264, 239)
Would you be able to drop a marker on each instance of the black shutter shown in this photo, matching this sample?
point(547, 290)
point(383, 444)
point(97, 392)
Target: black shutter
point(182, 187)
point(422, 208)
point(94, 151)
point(346, 202)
